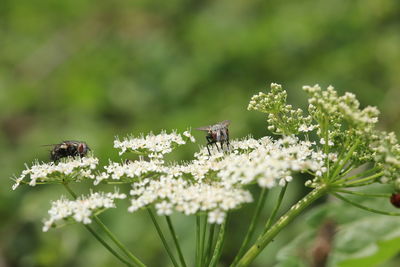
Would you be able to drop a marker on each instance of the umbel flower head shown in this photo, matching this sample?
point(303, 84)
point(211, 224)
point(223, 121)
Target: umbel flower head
point(346, 140)
point(218, 183)
point(65, 170)
point(347, 133)
point(177, 194)
point(81, 209)
point(153, 146)
point(213, 184)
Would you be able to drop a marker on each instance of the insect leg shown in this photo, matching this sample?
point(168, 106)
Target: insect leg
point(208, 149)
point(216, 144)
point(221, 143)
point(209, 142)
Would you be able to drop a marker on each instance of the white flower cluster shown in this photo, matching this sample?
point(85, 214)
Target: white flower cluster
point(129, 170)
point(215, 183)
point(154, 146)
point(345, 107)
point(82, 209)
point(386, 151)
point(271, 163)
point(53, 172)
point(282, 118)
point(265, 161)
point(177, 194)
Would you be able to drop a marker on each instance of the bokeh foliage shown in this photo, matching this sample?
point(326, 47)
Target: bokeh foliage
point(90, 70)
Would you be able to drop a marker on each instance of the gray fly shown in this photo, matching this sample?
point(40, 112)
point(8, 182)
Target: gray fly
point(217, 133)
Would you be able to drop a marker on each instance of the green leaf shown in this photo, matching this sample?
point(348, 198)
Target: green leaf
point(386, 250)
point(362, 238)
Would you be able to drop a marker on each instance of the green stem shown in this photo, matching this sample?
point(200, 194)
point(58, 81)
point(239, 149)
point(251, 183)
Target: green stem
point(348, 169)
point(326, 146)
point(358, 185)
point(219, 244)
point(104, 243)
point(72, 193)
point(252, 227)
point(203, 237)
point(210, 243)
point(345, 179)
point(163, 240)
point(118, 243)
point(345, 160)
point(198, 242)
point(283, 221)
point(109, 233)
point(363, 194)
point(275, 211)
point(372, 177)
point(175, 237)
point(365, 208)
point(340, 156)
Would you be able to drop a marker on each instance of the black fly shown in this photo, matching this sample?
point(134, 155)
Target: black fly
point(68, 149)
point(217, 133)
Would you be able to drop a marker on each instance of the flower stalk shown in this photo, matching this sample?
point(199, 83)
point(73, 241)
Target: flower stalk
point(219, 245)
point(210, 244)
point(175, 238)
point(252, 227)
point(364, 207)
point(198, 241)
point(289, 216)
point(163, 240)
point(108, 233)
point(104, 243)
point(275, 211)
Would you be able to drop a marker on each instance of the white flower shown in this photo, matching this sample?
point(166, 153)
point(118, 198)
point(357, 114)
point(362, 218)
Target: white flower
point(76, 168)
point(190, 136)
point(168, 193)
point(82, 209)
point(216, 216)
point(164, 208)
point(306, 128)
point(129, 170)
point(155, 145)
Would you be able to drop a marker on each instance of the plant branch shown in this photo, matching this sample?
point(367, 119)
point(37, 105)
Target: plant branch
point(219, 244)
point(283, 221)
point(175, 237)
point(117, 242)
point(358, 175)
point(366, 179)
point(252, 227)
point(275, 211)
point(104, 243)
point(363, 194)
point(198, 241)
point(210, 243)
point(364, 207)
point(203, 237)
point(163, 240)
point(110, 234)
point(345, 160)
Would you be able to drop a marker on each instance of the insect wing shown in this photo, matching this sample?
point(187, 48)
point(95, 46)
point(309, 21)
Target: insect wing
point(52, 145)
point(204, 128)
point(225, 123)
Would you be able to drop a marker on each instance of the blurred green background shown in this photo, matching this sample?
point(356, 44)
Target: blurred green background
point(91, 70)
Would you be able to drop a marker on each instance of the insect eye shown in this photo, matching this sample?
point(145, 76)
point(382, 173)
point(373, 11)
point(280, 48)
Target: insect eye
point(81, 148)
